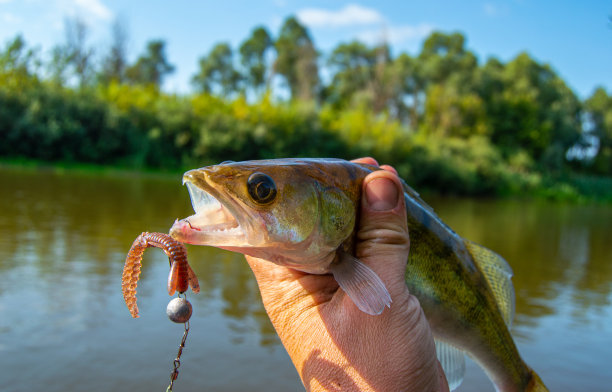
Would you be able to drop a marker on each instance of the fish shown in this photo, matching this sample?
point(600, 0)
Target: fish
point(302, 214)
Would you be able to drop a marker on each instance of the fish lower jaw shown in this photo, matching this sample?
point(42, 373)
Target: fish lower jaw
point(214, 235)
point(228, 228)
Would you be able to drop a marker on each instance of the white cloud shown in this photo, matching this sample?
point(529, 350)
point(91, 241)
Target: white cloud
point(395, 35)
point(90, 11)
point(365, 24)
point(94, 8)
point(490, 9)
point(8, 17)
point(350, 15)
point(494, 10)
point(94, 13)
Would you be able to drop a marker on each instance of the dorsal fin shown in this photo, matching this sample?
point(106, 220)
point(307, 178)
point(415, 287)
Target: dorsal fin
point(498, 273)
point(415, 195)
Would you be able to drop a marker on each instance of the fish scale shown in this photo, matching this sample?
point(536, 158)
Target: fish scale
point(464, 289)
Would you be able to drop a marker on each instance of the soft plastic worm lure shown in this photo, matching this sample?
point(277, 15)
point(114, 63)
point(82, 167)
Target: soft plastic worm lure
point(181, 275)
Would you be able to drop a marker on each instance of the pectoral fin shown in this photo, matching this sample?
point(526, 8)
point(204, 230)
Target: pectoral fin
point(361, 284)
point(453, 363)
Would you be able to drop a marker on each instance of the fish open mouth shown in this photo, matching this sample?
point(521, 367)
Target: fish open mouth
point(212, 224)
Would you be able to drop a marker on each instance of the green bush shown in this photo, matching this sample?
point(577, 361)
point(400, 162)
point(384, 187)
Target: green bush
point(140, 127)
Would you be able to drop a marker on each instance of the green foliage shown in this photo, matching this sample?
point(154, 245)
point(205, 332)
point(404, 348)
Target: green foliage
point(444, 58)
point(296, 60)
point(599, 110)
point(410, 84)
point(56, 124)
point(464, 166)
point(78, 54)
point(352, 65)
point(114, 63)
point(529, 107)
point(253, 58)
point(445, 122)
point(151, 67)
point(217, 73)
point(362, 77)
point(450, 113)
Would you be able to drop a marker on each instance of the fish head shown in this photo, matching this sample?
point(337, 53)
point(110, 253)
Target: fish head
point(286, 211)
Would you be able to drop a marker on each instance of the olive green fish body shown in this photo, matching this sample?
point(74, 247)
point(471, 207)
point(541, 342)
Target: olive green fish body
point(457, 299)
point(302, 213)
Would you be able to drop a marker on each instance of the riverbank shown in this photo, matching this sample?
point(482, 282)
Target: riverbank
point(139, 128)
point(86, 168)
point(574, 188)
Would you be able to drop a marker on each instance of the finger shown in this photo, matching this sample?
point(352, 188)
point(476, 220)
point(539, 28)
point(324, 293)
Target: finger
point(383, 241)
point(381, 194)
point(389, 168)
point(366, 160)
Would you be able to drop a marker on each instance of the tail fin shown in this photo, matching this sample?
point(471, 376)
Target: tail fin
point(535, 384)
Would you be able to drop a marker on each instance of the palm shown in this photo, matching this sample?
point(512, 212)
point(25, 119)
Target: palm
point(334, 345)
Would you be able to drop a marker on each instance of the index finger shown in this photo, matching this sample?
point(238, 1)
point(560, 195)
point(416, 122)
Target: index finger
point(366, 160)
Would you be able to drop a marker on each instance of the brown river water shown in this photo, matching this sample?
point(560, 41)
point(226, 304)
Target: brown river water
point(64, 325)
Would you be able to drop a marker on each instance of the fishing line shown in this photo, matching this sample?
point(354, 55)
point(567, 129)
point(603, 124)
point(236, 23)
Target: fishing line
point(179, 311)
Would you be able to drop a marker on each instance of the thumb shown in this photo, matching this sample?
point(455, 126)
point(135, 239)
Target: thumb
point(382, 237)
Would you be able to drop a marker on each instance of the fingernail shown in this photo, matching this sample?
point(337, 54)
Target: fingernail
point(381, 194)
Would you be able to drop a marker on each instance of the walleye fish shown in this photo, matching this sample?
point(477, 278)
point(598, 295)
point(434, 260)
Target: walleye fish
point(302, 213)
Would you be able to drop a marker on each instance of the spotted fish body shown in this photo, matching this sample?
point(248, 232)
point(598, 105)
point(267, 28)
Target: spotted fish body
point(302, 213)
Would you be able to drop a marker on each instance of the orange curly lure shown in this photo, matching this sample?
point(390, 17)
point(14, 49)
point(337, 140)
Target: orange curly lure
point(181, 275)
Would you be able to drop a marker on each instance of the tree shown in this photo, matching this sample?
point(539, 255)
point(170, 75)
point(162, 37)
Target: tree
point(383, 83)
point(115, 62)
point(17, 58)
point(58, 65)
point(444, 59)
point(449, 112)
point(446, 71)
point(361, 76)
point(352, 69)
point(79, 55)
point(151, 67)
point(535, 111)
point(253, 58)
point(18, 67)
point(297, 60)
point(599, 109)
point(217, 72)
point(409, 88)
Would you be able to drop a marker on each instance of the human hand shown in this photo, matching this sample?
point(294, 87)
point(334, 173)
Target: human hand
point(335, 346)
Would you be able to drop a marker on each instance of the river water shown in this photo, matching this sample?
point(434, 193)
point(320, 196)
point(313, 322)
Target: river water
point(64, 326)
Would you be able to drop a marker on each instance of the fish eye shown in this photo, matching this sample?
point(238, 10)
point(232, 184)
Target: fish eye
point(226, 162)
point(261, 187)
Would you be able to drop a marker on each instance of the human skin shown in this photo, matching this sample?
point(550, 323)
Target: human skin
point(335, 346)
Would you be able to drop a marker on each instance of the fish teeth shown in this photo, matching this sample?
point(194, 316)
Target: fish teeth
point(200, 199)
point(229, 230)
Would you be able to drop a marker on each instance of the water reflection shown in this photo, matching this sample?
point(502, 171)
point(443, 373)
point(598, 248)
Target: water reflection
point(63, 239)
point(552, 248)
point(561, 257)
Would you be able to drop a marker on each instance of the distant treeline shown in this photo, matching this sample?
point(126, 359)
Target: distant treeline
point(444, 120)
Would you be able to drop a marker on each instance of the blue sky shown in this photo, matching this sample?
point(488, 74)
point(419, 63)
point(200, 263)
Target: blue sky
point(575, 37)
